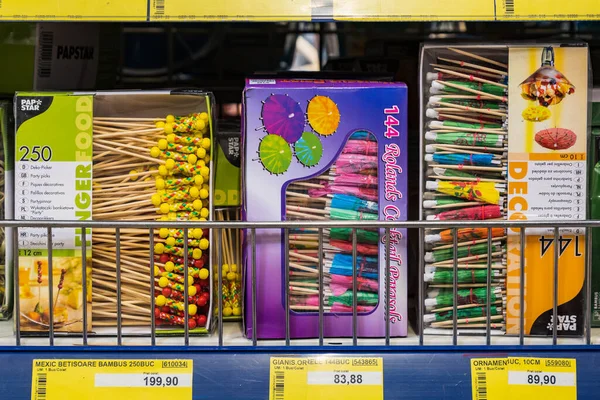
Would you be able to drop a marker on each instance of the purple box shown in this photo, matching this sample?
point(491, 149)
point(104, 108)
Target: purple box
point(294, 132)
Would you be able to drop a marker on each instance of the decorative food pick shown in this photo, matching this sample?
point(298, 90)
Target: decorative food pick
point(465, 234)
point(275, 154)
point(308, 149)
point(148, 169)
point(486, 192)
point(323, 115)
point(232, 277)
point(466, 157)
point(283, 116)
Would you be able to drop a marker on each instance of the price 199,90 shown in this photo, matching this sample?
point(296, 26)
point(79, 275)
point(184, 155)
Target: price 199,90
point(168, 381)
point(144, 380)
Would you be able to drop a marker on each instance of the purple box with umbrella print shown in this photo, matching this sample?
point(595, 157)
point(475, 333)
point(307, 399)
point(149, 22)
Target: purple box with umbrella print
point(320, 151)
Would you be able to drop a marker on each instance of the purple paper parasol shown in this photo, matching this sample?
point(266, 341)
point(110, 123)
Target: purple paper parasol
point(283, 116)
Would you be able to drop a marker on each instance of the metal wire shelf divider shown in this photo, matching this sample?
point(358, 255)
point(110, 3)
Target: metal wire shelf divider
point(250, 229)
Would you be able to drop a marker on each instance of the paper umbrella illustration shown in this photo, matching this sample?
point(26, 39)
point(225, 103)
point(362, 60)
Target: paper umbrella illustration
point(275, 154)
point(308, 149)
point(283, 116)
point(323, 115)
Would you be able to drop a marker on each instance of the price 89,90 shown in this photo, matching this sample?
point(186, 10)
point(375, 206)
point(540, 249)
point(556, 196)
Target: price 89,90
point(541, 378)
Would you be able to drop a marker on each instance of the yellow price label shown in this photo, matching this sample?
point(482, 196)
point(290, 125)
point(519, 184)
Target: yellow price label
point(78, 10)
point(522, 378)
point(243, 10)
point(548, 9)
point(348, 378)
point(430, 10)
point(59, 379)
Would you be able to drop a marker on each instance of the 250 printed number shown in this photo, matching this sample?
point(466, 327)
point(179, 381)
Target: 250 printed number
point(343, 379)
point(35, 153)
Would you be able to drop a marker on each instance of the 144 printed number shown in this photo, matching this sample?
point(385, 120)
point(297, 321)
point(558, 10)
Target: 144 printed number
point(391, 122)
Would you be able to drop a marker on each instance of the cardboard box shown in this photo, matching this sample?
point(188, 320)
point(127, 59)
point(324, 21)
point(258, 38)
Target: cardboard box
point(133, 156)
point(525, 139)
point(349, 141)
point(55, 56)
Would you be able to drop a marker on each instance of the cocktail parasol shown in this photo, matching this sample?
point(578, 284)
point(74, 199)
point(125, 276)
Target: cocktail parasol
point(323, 115)
point(547, 85)
point(283, 116)
point(556, 138)
point(275, 154)
point(309, 149)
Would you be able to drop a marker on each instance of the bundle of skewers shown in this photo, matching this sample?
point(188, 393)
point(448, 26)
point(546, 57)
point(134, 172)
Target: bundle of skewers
point(466, 158)
point(347, 191)
point(230, 265)
point(148, 169)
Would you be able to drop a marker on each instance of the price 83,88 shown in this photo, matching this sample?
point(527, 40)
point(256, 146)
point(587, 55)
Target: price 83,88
point(348, 379)
point(344, 378)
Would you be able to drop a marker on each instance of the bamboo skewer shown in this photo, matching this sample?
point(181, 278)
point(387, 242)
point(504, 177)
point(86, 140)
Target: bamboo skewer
point(478, 110)
point(469, 71)
point(467, 89)
point(471, 77)
point(467, 320)
point(478, 57)
point(475, 66)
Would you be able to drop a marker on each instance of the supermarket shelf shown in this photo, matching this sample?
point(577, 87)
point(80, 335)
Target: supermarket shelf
point(437, 370)
point(298, 10)
point(226, 374)
point(233, 338)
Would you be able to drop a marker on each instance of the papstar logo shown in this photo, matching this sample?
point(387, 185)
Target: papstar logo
point(75, 52)
point(30, 105)
point(565, 323)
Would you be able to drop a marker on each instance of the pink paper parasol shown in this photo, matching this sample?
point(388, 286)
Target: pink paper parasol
point(363, 147)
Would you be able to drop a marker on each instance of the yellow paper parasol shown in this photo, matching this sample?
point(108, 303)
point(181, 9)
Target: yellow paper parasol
point(323, 115)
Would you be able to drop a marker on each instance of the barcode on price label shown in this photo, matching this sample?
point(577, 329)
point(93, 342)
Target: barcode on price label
point(159, 7)
point(279, 386)
point(42, 385)
point(481, 386)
